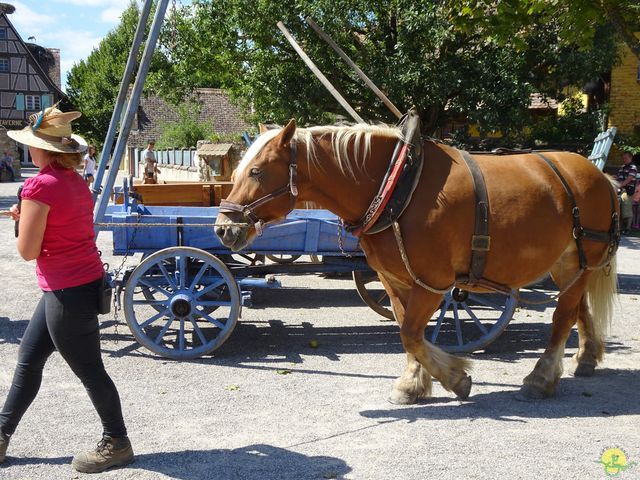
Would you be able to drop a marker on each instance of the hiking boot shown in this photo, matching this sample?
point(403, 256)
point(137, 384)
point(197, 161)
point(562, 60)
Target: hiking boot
point(4, 443)
point(110, 452)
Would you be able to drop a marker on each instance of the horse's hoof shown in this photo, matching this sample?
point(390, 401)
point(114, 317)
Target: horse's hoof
point(463, 388)
point(399, 397)
point(529, 393)
point(584, 370)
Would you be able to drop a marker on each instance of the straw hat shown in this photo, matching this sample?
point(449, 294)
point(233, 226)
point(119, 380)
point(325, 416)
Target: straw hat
point(51, 130)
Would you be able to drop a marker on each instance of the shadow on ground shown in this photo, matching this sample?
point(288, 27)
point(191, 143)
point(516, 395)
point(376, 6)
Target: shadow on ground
point(606, 394)
point(253, 462)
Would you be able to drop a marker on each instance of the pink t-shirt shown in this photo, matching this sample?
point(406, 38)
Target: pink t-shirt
point(69, 256)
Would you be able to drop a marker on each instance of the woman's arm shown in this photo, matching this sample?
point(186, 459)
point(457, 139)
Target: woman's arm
point(33, 222)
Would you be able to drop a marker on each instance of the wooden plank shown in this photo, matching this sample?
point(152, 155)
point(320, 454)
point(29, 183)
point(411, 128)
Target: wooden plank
point(316, 71)
point(207, 201)
point(359, 72)
point(217, 194)
point(183, 194)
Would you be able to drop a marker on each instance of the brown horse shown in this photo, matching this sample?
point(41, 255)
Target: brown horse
point(531, 226)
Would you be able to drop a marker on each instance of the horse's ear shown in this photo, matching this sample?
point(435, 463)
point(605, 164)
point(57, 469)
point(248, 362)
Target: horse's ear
point(262, 128)
point(285, 136)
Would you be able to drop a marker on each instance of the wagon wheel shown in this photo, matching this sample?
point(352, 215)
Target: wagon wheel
point(242, 259)
point(468, 321)
point(283, 258)
point(372, 293)
point(465, 321)
point(169, 300)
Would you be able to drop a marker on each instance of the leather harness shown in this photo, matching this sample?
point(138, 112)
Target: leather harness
point(399, 182)
point(401, 179)
point(248, 211)
point(396, 192)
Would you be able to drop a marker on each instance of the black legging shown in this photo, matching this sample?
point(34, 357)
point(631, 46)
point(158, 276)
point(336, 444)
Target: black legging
point(64, 320)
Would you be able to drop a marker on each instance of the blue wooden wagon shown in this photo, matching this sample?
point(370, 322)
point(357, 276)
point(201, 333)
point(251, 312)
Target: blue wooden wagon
point(185, 297)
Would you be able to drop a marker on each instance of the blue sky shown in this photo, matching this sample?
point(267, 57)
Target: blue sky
point(74, 26)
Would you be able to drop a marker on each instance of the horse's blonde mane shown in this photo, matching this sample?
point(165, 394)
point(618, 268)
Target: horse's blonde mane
point(341, 136)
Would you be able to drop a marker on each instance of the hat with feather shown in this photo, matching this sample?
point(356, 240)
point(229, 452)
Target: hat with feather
point(50, 130)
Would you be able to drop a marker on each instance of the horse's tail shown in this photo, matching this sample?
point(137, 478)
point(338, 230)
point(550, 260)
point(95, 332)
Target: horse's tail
point(602, 294)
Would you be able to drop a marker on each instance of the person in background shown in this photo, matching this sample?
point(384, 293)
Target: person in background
point(6, 162)
point(89, 170)
point(636, 195)
point(150, 171)
point(56, 229)
point(626, 178)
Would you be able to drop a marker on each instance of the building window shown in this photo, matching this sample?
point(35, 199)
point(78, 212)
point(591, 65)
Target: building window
point(4, 65)
point(33, 102)
point(3, 33)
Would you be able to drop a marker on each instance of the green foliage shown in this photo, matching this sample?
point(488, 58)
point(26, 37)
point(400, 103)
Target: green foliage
point(93, 84)
point(454, 59)
point(186, 131)
point(629, 143)
point(576, 127)
point(411, 50)
point(577, 21)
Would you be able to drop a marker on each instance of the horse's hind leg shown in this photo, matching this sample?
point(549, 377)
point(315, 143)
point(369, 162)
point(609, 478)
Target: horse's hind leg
point(591, 348)
point(449, 370)
point(542, 381)
point(594, 318)
point(415, 382)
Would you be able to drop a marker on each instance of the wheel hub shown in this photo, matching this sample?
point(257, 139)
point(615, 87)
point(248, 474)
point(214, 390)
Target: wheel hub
point(459, 295)
point(181, 305)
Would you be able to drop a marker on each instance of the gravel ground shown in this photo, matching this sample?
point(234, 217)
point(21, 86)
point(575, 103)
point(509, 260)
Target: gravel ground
point(235, 415)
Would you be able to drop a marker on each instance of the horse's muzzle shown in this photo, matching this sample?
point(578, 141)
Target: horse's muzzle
point(234, 237)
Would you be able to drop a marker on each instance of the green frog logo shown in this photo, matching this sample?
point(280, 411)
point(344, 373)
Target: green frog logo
point(615, 461)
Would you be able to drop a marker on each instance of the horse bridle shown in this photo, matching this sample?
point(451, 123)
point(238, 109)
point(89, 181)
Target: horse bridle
point(248, 212)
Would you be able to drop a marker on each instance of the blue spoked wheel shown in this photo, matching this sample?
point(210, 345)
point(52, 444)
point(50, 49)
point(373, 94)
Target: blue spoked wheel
point(181, 303)
point(467, 322)
point(464, 323)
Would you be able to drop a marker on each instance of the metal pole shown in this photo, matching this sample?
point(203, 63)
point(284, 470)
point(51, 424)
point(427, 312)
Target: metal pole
point(360, 73)
point(316, 71)
point(132, 106)
point(122, 96)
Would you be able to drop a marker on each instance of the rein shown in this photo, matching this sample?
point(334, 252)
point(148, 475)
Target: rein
point(248, 212)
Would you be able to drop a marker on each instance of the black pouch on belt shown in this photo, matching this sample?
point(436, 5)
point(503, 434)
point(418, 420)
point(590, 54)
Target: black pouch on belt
point(17, 224)
point(104, 295)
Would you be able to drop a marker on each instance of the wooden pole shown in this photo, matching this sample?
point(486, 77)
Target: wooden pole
point(350, 62)
point(316, 71)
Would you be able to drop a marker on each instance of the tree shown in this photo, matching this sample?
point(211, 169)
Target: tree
point(578, 21)
point(410, 49)
point(93, 84)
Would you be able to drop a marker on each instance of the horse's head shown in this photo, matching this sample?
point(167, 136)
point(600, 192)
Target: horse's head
point(264, 188)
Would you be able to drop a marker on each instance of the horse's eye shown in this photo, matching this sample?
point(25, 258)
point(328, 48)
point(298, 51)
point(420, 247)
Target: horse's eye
point(254, 172)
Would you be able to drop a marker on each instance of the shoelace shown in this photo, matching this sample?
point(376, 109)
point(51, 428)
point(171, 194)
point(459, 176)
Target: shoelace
point(103, 445)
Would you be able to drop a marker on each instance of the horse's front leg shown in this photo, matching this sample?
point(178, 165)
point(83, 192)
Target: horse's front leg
point(415, 382)
point(449, 370)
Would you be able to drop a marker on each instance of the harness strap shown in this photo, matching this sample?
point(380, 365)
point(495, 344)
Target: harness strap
point(248, 210)
point(578, 232)
point(481, 240)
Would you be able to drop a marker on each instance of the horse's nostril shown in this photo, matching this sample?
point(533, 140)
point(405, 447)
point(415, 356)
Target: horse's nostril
point(220, 231)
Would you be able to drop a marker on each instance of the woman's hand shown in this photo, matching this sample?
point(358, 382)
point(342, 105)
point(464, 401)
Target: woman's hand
point(14, 212)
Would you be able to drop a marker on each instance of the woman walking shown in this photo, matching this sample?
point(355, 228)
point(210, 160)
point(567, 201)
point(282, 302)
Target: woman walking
point(56, 229)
